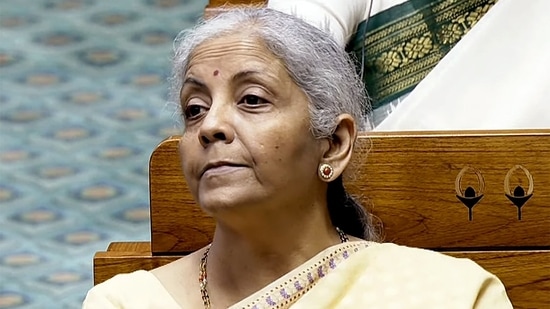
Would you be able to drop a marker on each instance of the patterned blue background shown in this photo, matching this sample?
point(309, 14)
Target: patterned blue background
point(82, 105)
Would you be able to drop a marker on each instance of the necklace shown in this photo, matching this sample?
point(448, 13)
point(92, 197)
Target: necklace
point(202, 269)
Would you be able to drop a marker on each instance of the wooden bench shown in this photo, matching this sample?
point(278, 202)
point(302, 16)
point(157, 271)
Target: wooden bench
point(454, 192)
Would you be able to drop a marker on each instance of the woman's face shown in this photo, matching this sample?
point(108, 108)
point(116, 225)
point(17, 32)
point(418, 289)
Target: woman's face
point(247, 139)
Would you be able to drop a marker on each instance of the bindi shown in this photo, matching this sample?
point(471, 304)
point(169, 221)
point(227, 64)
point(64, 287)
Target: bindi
point(216, 73)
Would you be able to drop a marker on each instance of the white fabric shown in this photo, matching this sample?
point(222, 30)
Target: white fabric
point(496, 77)
point(339, 17)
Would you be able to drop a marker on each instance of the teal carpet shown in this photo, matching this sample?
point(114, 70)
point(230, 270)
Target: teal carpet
point(82, 105)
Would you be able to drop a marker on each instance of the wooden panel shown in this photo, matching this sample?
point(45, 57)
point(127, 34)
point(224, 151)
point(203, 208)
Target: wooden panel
point(133, 246)
point(526, 274)
point(178, 225)
point(215, 7)
point(218, 3)
point(126, 257)
point(408, 181)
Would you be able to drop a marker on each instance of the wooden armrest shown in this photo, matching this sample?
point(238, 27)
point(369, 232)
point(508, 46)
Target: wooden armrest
point(126, 257)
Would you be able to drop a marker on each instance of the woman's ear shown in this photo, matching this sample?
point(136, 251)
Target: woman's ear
point(340, 147)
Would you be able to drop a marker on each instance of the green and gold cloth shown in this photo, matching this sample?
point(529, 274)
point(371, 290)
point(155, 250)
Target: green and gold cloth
point(398, 47)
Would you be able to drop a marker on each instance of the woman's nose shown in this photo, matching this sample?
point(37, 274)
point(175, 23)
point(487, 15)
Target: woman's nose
point(216, 126)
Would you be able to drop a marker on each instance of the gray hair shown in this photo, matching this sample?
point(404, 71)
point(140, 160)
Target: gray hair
point(316, 63)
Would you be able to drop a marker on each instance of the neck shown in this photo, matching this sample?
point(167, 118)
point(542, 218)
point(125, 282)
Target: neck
point(246, 257)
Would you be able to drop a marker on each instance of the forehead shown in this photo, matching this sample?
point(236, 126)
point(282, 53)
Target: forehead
point(235, 49)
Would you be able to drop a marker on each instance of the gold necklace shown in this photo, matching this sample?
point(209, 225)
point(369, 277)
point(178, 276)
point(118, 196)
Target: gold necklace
point(203, 282)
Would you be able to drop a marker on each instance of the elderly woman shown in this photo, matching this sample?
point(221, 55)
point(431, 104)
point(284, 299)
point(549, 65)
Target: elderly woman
point(271, 109)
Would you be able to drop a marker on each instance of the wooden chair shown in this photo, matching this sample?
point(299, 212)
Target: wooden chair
point(480, 195)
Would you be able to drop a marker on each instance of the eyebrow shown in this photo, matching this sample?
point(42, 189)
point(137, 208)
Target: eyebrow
point(266, 77)
point(194, 81)
point(244, 75)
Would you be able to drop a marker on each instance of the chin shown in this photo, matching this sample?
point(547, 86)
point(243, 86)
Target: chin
point(224, 200)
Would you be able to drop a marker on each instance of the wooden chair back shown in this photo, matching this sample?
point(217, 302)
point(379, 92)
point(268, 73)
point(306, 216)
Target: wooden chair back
point(216, 6)
point(480, 195)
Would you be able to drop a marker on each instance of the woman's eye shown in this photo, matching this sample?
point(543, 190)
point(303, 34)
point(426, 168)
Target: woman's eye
point(252, 100)
point(193, 111)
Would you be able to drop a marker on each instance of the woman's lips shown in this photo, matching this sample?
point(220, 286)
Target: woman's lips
point(220, 168)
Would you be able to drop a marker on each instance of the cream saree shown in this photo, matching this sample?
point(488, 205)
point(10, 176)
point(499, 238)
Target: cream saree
point(349, 275)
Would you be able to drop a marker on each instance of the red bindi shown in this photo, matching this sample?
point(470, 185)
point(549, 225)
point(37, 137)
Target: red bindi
point(216, 73)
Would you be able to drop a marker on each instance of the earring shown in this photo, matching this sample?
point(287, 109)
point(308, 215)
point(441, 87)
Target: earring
point(326, 171)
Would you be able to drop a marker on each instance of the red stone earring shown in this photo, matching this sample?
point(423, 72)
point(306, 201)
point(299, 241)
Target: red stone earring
point(326, 171)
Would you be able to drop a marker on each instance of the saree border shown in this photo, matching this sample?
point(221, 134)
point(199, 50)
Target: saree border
point(396, 48)
point(288, 289)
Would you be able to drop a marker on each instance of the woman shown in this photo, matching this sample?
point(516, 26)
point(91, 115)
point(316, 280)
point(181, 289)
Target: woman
point(271, 109)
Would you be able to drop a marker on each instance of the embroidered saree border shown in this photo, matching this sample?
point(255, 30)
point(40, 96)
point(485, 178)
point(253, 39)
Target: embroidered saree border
point(398, 47)
point(288, 289)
